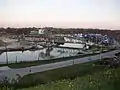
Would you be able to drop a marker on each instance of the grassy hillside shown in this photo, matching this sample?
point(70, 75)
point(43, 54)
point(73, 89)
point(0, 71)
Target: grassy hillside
point(85, 76)
point(104, 80)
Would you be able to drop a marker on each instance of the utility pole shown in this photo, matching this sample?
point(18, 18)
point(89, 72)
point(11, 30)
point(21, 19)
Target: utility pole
point(38, 56)
point(16, 60)
point(6, 56)
point(100, 53)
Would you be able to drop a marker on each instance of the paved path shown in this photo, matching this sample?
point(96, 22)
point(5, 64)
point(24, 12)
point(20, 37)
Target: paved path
point(34, 69)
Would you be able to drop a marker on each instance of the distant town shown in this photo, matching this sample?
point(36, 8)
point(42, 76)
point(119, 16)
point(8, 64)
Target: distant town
point(25, 51)
point(23, 39)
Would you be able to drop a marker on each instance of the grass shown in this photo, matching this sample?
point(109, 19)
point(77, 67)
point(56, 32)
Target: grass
point(104, 80)
point(85, 76)
point(58, 74)
point(27, 64)
point(41, 62)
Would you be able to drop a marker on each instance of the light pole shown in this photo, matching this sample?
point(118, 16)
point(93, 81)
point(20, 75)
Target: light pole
point(16, 60)
point(100, 54)
point(6, 56)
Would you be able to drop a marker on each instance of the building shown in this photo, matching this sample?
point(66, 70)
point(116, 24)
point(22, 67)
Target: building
point(33, 32)
point(37, 32)
point(41, 31)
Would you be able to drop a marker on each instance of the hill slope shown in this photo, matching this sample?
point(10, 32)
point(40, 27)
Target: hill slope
point(104, 80)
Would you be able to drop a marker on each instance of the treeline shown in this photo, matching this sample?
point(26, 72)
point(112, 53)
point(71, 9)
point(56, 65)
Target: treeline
point(113, 33)
point(17, 31)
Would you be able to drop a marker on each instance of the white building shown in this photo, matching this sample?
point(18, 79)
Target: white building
point(41, 31)
point(73, 45)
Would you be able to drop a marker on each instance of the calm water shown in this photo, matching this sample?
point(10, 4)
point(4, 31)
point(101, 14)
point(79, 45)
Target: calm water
point(33, 55)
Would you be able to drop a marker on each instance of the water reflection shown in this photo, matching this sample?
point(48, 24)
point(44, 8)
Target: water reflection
point(35, 55)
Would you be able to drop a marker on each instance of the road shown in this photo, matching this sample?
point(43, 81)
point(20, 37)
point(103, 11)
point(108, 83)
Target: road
point(34, 69)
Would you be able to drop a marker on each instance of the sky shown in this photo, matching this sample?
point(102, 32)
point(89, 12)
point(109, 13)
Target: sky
point(60, 13)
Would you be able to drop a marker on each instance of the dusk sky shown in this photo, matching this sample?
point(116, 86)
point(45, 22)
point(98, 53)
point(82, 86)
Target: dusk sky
point(60, 13)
